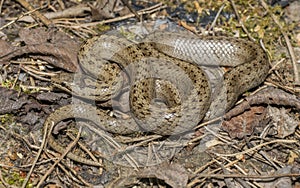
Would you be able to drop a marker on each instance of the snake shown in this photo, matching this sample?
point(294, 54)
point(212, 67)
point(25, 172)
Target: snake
point(169, 90)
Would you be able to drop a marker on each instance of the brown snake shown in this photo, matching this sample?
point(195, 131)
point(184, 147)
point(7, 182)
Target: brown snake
point(169, 92)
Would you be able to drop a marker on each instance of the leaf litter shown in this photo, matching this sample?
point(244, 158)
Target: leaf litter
point(270, 114)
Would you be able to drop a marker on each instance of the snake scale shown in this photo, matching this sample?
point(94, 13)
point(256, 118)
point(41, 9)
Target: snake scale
point(169, 92)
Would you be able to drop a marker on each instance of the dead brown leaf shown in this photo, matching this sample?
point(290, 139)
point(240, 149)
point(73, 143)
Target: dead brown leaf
point(6, 49)
point(10, 101)
point(283, 122)
point(53, 46)
point(244, 124)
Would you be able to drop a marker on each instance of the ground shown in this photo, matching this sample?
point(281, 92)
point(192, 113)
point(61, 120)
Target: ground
point(256, 145)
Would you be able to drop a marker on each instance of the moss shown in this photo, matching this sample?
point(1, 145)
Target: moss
point(103, 27)
point(14, 178)
point(7, 83)
point(6, 119)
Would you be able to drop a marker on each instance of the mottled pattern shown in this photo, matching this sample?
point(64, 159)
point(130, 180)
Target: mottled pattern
point(169, 92)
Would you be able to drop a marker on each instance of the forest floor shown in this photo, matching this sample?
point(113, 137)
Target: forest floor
point(256, 145)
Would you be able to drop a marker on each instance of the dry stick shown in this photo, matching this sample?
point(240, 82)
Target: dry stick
point(16, 79)
point(287, 41)
point(149, 10)
point(273, 69)
point(84, 148)
point(25, 87)
point(240, 22)
point(262, 152)
point(229, 181)
point(257, 177)
point(256, 147)
point(241, 170)
point(36, 71)
point(216, 18)
point(29, 62)
point(73, 171)
point(35, 75)
point(66, 13)
point(1, 4)
point(269, 59)
point(285, 88)
point(1, 127)
point(131, 147)
point(221, 176)
point(125, 2)
point(208, 122)
point(36, 159)
point(203, 167)
point(253, 177)
point(126, 140)
point(36, 14)
point(219, 168)
point(62, 165)
point(115, 145)
point(70, 146)
point(16, 19)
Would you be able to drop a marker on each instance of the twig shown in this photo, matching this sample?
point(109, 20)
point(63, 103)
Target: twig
point(125, 2)
point(208, 122)
point(36, 14)
point(16, 79)
point(285, 88)
point(287, 41)
point(83, 147)
point(245, 184)
point(66, 13)
point(222, 176)
point(276, 64)
point(1, 4)
point(115, 145)
point(28, 62)
point(38, 72)
point(35, 160)
point(256, 147)
point(16, 19)
point(149, 10)
point(217, 135)
point(132, 147)
point(40, 88)
point(73, 171)
point(216, 18)
point(70, 146)
point(240, 21)
point(203, 167)
point(35, 75)
point(195, 181)
point(272, 176)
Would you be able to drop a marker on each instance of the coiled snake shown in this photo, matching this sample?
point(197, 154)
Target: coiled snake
point(169, 93)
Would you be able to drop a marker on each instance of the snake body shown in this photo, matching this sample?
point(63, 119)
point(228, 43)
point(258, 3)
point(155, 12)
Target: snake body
point(169, 92)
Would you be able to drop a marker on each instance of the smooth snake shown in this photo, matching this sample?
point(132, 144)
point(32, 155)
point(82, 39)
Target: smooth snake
point(169, 93)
